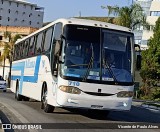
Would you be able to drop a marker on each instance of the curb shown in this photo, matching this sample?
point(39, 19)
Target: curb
point(1, 130)
point(141, 104)
point(150, 106)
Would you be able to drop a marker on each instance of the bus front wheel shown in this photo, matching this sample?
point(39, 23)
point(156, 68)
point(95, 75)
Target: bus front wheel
point(45, 106)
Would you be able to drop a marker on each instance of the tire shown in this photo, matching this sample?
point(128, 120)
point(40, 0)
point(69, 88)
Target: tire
point(46, 107)
point(18, 97)
point(4, 91)
point(26, 98)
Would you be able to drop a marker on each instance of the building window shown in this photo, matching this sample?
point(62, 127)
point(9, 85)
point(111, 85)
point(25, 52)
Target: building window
point(144, 42)
point(30, 22)
point(9, 10)
point(8, 19)
point(30, 14)
point(0, 39)
point(16, 12)
point(137, 41)
point(37, 22)
point(17, 4)
point(24, 6)
point(39, 15)
point(15, 19)
point(10, 3)
point(0, 17)
point(2, 1)
point(155, 13)
point(24, 13)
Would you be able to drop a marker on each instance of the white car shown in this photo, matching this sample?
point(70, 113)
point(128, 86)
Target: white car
point(3, 85)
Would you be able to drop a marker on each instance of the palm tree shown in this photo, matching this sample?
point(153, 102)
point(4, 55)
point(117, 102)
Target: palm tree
point(8, 49)
point(127, 16)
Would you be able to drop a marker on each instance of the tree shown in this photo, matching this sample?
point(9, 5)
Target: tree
point(150, 71)
point(127, 16)
point(8, 48)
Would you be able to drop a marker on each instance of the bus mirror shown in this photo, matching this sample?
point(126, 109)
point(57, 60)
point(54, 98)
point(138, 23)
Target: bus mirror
point(137, 47)
point(138, 62)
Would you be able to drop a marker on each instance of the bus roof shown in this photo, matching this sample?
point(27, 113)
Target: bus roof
point(77, 21)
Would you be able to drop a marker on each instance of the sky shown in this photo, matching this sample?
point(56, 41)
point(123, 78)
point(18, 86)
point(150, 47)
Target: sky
point(54, 9)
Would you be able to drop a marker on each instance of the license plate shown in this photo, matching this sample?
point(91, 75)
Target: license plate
point(96, 106)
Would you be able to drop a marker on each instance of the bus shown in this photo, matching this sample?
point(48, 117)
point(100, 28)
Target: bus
point(75, 63)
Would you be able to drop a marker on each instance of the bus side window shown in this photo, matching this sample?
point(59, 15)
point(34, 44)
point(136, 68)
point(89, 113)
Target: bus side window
point(26, 48)
point(21, 50)
point(47, 39)
point(18, 51)
point(39, 43)
point(15, 53)
point(31, 47)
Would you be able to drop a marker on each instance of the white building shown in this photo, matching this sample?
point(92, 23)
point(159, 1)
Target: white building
point(152, 10)
point(20, 13)
point(17, 17)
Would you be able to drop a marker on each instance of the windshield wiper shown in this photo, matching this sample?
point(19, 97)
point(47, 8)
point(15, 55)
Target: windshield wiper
point(106, 66)
point(77, 65)
point(90, 64)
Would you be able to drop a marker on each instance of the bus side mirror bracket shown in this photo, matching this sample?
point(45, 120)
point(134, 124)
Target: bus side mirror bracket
point(138, 62)
point(138, 56)
point(55, 72)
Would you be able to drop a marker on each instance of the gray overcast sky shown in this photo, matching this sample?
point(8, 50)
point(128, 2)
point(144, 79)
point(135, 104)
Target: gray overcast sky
point(70, 8)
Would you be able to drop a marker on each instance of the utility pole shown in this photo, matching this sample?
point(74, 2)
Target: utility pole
point(80, 14)
point(129, 2)
point(3, 66)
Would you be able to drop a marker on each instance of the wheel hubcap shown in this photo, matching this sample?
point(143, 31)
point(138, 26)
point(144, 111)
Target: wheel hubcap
point(44, 98)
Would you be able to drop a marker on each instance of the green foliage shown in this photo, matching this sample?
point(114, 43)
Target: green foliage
point(156, 94)
point(127, 16)
point(150, 71)
point(8, 46)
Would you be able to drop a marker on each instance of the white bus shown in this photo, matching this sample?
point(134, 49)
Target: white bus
point(75, 63)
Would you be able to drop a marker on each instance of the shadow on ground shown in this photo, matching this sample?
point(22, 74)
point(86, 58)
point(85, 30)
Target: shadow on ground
point(5, 120)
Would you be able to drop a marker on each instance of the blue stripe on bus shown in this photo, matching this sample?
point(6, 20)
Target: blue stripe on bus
point(21, 67)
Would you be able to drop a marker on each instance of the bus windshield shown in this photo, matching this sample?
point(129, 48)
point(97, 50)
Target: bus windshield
point(93, 53)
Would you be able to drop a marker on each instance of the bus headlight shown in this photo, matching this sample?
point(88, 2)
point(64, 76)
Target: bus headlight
point(70, 89)
point(125, 94)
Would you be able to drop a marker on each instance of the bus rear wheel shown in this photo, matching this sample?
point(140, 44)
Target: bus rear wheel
point(45, 106)
point(17, 95)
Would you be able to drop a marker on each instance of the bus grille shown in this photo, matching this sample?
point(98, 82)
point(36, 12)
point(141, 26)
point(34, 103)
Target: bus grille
point(98, 94)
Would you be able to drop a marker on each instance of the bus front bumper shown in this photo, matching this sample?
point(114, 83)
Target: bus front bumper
point(93, 102)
